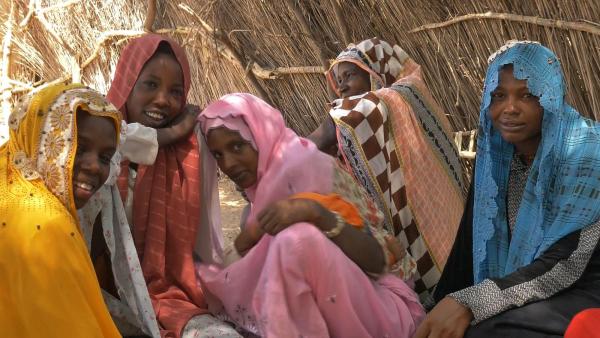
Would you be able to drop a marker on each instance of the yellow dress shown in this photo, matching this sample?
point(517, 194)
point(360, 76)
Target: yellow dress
point(48, 284)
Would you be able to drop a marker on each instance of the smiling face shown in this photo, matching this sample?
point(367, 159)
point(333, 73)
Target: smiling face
point(96, 144)
point(235, 156)
point(516, 113)
point(352, 80)
point(158, 95)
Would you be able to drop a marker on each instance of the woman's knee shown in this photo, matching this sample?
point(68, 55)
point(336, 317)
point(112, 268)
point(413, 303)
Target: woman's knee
point(299, 235)
point(301, 243)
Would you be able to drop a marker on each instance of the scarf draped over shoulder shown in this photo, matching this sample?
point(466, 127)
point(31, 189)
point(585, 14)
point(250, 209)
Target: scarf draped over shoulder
point(398, 143)
point(168, 219)
point(561, 193)
point(49, 284)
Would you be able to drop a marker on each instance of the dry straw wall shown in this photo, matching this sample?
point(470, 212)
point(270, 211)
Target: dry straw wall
point(278, 49)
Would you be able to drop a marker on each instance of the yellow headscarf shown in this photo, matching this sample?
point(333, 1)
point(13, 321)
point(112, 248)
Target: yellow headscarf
point(49, 284)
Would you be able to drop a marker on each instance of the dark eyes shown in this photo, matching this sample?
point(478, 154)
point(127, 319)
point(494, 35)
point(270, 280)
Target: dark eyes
point(499, 95)
point(153, 85)
point(236, 147)
point(81, 146)
point(346, 76)
point(105, 159)
point(150, 84)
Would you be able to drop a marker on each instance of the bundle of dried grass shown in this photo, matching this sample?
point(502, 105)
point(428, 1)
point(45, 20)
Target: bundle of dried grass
point(278, 49)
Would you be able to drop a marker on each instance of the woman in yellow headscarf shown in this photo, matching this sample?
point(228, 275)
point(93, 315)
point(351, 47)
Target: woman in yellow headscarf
point(61, 141)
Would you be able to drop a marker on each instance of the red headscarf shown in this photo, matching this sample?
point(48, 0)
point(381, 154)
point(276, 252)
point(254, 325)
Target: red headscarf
point(166, 203)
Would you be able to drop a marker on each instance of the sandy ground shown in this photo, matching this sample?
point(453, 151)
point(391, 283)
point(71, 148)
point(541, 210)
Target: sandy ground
point(232, 205)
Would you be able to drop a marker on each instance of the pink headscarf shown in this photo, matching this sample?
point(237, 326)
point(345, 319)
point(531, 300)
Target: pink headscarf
point(235, 124)
point(287, 164)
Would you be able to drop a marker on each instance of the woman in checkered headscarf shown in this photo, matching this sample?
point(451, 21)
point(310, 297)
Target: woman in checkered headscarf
point(380, 61)
point(389, 132)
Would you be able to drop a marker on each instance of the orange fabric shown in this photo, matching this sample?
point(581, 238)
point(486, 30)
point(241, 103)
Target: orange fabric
point(347, 210)
point(336, 203)
point(166, 203)
point(585, 325)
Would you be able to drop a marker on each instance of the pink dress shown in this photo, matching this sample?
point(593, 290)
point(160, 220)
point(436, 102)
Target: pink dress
point(299, 283)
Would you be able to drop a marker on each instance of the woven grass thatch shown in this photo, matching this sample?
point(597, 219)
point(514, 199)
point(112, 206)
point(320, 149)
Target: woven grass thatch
point(278, 49)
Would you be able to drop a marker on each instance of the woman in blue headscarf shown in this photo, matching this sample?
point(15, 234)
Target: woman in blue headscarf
point(525, 261)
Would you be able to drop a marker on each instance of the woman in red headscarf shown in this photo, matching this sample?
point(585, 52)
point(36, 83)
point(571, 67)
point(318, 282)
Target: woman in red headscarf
point(167, 203)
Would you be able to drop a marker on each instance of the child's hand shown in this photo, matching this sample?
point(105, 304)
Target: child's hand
point(181, 127)
point(247, 239)
point(282, 214)
point(395, 247)
point(185, 122)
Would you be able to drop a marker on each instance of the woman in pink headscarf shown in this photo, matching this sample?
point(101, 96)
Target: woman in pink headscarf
point(315, 254)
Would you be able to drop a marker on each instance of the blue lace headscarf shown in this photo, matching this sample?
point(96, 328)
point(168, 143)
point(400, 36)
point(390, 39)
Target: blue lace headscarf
point(562, 193)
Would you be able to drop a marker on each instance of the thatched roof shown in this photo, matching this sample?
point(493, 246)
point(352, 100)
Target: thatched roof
point(277, 49)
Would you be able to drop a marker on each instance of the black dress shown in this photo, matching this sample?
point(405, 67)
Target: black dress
point(537, 300)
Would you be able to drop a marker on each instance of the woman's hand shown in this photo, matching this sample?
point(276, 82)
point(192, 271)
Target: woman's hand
point(448, 319)
point(279, 215)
